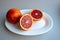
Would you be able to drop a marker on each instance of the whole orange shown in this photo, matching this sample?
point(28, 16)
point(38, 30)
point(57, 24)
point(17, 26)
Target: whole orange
point(13, 15)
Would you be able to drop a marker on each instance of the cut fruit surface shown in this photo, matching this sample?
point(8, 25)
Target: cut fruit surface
point(26, 22)
point(13, 15)
point(36, 14)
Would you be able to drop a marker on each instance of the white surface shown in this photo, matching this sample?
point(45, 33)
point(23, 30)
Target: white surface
point(39, 27)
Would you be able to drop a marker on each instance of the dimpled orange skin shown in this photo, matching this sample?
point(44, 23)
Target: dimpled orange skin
point(23, 23)
point(39, 18)
point(13, 15)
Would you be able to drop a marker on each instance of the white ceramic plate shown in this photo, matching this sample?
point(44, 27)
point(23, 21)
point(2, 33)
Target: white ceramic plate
point(38, 27)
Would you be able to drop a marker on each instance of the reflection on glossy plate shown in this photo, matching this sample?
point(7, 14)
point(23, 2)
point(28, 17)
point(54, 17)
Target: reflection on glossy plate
point(38, 27)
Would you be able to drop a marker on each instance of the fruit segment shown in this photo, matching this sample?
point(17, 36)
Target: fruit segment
point(26, 22)
point(36, 14)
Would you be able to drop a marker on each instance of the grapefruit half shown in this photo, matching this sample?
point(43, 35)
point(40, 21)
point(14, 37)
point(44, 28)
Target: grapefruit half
point(36, 14)
point(26, 22)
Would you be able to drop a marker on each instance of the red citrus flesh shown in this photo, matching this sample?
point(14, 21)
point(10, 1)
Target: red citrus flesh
point(26, 22)
point(36, 14)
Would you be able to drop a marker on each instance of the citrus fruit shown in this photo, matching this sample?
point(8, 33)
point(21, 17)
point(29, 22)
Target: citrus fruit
point(26, 22)
point(13, 15)
point(36, 14)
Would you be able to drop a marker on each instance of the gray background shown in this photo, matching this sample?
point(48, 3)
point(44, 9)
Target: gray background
point(52, 7)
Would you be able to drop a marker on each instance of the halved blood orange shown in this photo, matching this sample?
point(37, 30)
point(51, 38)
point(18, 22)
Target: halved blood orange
point(26, 22)
point(36, 14)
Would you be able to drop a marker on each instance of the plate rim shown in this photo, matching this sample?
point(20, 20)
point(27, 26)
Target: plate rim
point(34, 34)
